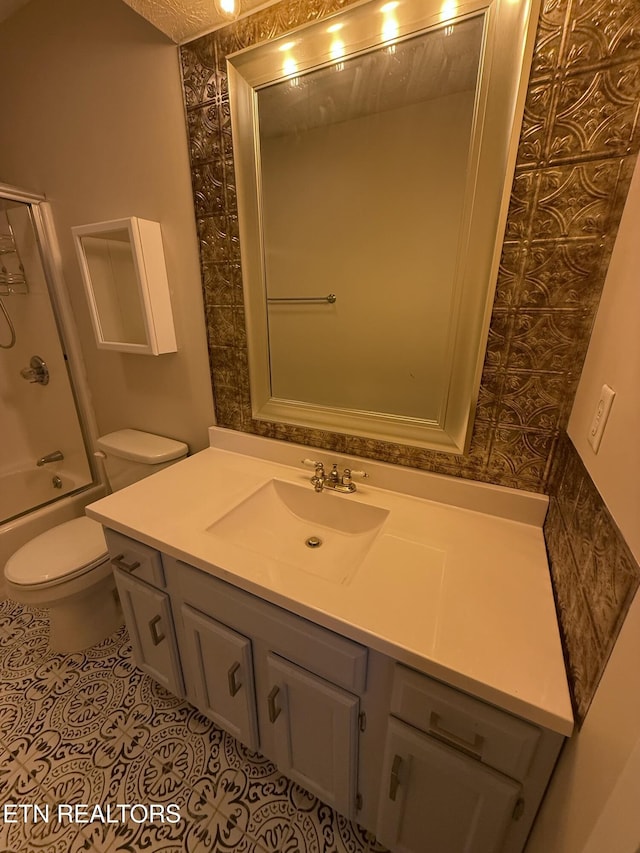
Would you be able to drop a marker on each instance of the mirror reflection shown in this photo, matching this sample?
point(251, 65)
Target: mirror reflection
point(363, 167)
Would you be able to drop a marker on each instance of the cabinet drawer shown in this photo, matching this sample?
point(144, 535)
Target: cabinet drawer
point(137, 559)
point(494, 737)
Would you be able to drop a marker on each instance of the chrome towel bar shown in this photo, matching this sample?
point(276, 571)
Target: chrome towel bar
point(331, 298)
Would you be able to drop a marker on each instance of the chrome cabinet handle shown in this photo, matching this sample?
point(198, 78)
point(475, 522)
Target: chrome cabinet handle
point(231, 675)
point(473, 748)
point(119, 563)
point(156, 638)
point(394, 781)
point(274, 712)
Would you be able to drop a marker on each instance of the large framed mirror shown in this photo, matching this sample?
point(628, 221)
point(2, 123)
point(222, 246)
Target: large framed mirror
point(374, 153)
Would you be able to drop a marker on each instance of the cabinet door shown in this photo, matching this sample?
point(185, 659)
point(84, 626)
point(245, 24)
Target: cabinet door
point(219, 671)
point(147, 613)
point(316, 732)
point(436, 798)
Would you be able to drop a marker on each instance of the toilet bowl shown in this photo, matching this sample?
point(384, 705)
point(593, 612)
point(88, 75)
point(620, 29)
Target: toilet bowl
point(67, 569)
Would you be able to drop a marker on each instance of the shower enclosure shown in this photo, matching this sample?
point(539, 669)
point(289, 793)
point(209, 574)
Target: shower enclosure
point(45, 469)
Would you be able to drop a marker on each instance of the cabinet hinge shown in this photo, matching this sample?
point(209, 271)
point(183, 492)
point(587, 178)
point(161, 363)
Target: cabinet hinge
point(358, 802)
point(362, 721)
point(518, 809)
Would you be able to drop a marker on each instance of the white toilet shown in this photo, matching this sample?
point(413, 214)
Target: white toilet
point(67, 569)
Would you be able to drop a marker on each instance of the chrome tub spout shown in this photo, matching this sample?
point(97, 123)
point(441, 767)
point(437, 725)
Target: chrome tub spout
point(56, 456)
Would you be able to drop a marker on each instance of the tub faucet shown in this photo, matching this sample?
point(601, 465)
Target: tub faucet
point(36, 372)
point(56, 456)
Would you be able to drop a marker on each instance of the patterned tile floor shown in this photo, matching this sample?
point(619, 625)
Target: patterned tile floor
point(90, 728)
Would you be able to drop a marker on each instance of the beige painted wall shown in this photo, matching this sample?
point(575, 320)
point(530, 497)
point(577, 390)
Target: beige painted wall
point(91, 100)
point(614, 358)
point(599, 770)
point(593, 795)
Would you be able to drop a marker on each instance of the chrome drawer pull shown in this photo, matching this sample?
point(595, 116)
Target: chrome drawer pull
point(231, 675)
point(274, 712)
point(474, 748)
point(156, 638)
point(394, 781)
point(119, 563)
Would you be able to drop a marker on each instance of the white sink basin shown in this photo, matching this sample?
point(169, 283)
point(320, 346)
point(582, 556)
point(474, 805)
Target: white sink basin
point(325, 534)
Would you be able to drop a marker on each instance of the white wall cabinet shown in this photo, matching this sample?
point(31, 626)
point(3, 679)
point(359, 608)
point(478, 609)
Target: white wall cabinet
point(125, 281)
point(418, 763)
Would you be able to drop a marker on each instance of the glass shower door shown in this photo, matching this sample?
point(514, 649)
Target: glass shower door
point(42, 452)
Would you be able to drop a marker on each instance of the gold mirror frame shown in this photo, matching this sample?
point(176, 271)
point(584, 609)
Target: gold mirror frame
point(508, 39)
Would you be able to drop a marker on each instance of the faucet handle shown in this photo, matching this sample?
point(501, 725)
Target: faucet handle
point(347, 478)
point(318, 479)
point(349, 473)
point(311, 464)
point(317, 465)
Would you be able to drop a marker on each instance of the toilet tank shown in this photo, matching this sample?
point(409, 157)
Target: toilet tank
point(130, 455)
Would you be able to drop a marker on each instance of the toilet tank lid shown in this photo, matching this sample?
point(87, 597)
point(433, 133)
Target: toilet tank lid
point(138, 446)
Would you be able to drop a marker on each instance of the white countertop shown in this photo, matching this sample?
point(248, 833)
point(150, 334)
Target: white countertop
point(460, 594)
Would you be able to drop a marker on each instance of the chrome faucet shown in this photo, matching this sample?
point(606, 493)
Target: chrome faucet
point(334, 480)
point(56, 456)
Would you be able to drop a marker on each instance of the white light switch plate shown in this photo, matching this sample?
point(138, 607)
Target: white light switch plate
point(600, 417)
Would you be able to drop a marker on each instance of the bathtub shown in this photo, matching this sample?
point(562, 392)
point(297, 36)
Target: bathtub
point(32, 487)
point(23, 490)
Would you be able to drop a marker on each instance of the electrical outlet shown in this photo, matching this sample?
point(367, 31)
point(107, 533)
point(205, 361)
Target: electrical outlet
point(600, 417)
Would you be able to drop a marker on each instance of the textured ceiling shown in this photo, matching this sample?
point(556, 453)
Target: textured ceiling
point(183, 20)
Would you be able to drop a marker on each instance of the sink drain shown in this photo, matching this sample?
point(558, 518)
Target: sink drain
point(313, 542)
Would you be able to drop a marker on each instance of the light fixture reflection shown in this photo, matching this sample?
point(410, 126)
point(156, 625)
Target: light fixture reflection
point(390, 28)
point(337, 49)
point(290, 68)
point(229, 9)
point(448, 10)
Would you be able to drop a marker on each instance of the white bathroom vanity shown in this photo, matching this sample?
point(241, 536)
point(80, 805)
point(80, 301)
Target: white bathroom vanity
point(407, 670)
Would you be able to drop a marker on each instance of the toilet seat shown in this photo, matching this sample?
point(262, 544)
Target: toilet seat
point(60, 554)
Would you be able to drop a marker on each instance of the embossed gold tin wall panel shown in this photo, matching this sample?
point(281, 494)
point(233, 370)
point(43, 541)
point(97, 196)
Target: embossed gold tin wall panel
point(575, 158)
point(594, 573)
